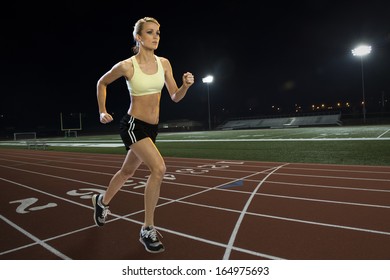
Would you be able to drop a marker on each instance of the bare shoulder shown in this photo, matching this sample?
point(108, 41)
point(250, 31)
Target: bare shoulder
point(125, 65)
point(165, 62)
point(123, 68)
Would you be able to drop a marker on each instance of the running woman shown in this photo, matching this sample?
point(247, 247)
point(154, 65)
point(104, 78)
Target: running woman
point(145, 74)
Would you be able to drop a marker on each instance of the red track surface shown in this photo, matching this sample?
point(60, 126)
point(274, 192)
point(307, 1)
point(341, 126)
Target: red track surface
point(209, 209)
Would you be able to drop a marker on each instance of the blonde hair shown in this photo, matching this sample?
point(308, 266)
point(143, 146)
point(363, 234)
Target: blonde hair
point(138, 27)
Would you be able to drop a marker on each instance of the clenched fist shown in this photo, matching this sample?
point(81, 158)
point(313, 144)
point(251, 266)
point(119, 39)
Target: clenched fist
point(188, 79)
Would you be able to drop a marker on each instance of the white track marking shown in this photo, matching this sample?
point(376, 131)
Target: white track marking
point(210, 176)
point(37, 240)
point(232, 181)
point(194, 237)
point(126, 217)
point(243, 212)
point(76, 161)
point(201, 205)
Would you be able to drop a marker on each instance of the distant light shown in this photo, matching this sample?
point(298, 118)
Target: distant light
point(361, 50)
point(209, 79)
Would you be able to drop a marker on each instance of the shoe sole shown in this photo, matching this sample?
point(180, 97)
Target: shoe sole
point(150, 251)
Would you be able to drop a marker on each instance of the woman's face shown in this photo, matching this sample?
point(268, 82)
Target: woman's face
point(150, 35)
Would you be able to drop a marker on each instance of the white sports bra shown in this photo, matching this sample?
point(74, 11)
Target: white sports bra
point(143, 84)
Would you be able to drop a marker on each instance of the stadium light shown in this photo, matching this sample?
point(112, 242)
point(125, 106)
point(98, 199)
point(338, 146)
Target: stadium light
point(208, 80)
point(362, 51)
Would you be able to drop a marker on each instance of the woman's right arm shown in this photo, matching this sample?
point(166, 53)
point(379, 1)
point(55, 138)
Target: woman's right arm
point(118, 70)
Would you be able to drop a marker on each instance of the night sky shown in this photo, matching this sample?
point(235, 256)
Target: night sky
point(261, 55)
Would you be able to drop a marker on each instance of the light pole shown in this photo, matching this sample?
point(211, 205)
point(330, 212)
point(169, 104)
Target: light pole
point(208, 80)
point(361, 51)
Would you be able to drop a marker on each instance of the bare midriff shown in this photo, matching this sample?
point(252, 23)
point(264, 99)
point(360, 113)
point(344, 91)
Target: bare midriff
point(146, 107)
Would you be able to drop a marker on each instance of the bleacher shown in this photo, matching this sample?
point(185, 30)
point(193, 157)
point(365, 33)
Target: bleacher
point(30, 140)
point(36, 144)
point(179, 125)
point(283, 122)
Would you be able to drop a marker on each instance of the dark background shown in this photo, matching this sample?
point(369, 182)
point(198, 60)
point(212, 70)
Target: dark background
point(266, 58)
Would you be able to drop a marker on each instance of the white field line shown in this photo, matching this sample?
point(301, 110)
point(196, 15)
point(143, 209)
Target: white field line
point(380, 136)
point(112, 144)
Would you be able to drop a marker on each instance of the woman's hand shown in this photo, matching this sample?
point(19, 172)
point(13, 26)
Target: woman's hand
point(188, 79)
point(106, 118)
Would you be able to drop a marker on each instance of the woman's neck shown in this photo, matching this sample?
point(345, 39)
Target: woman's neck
point(145, 57)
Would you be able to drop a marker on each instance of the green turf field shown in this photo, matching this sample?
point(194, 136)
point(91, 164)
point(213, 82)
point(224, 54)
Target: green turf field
point(361, 145)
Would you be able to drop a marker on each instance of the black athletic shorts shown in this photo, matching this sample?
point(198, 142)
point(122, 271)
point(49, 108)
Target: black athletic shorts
point(133, 130)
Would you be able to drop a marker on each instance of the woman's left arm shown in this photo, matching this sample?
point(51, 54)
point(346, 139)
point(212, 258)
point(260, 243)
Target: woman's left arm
point(175, 92)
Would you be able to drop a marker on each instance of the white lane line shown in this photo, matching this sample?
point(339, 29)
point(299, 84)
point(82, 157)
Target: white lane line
point(273, 217)
point(338, 170)
point(195, 237)
point(37, 240)
point(326, 201)
point(292, 219)
point(234, 180)
point(334, 177)
point(243, 212)
point(328, 187)
point(208, 176)
point(126, 217)
point(321, 224)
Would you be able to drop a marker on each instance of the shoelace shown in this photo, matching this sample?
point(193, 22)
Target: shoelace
point(153, 234)
point(105, 212)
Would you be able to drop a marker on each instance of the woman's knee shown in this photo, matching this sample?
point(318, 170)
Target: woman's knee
point(127, 172)
point(158, 170)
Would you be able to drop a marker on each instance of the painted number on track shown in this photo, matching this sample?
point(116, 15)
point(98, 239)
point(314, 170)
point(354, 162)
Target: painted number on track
point(84, 193)
point(213, 166)
point(191, 171)
point(203, 169)
point(25, 205)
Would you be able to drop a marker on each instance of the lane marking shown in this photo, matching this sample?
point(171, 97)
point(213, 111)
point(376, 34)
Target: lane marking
point(232, 182)
point(195, 237)
point(243, 212)
point(219, 177)
point(37, 240)
point(268, 216)
point(76, 160)
point(126, 217)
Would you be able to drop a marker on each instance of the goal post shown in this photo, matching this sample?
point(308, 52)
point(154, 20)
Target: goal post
point(71, 123)
point(25, 136)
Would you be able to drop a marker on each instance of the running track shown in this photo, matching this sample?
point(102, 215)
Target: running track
point(208, 210)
